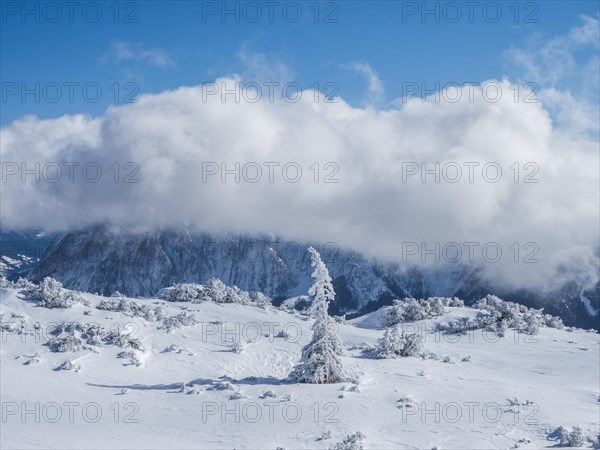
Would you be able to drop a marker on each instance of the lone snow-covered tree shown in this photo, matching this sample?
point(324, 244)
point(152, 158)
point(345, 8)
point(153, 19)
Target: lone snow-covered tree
point(320, 363)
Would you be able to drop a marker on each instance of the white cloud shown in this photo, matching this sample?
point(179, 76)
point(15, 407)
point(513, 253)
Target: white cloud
point(124, 51)
point(261, 67)
point(169, 135)
point(563, 68)
point(375, 89)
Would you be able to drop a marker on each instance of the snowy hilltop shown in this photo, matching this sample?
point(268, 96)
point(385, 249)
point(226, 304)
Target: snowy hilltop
point(212, 366)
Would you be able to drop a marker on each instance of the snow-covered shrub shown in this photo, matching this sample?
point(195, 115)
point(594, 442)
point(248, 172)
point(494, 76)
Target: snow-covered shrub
point(351, 442)
point(133, 309)
point(220, 293)
point(184, 292)
point(214, 291)
point(181, 320)
point(12, 327)
point(267, 394)
point(283, 334)
point(260, 299)
point(235, 396)
point(31, 359)
point(174, 348)
point(237, 347)
point(396, 343)
point(453, 302)
point(4, 283)
point(65, 344)
point(222, 386)
point(503, 314)
point(499, 315)
point(131, 357)
point(51, 294)
point(117, 294)
point(326, 435)
point(91, 334)
point(404, 401)
point(412, 309)
point(123, 340)
point(574, 438)
point(553, 321)
point(21, 283)
point(69, 365)
point(366, 348)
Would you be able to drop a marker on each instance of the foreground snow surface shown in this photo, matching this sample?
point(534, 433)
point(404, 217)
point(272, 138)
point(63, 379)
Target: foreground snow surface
point(204, 395)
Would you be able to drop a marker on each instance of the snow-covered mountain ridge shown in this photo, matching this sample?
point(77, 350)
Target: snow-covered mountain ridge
point(96, 259)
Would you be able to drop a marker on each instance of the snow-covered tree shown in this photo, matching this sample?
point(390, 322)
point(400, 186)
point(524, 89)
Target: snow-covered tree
point(320, 362)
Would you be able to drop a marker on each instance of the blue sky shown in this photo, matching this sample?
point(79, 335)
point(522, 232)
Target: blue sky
point(170, 44)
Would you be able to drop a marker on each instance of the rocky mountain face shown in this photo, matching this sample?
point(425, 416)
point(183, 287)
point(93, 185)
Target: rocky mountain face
point(98, 259)
point(21, 250)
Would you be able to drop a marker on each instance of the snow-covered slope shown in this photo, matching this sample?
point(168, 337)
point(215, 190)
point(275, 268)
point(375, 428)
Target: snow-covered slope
point(188, 389)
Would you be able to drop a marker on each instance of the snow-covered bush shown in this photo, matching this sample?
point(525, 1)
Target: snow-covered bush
point(260, 299)
point(31, 359)
point(396, 343)
point(71, 336)
point(92, 333)
point(174, 348)
point(222, 386)
point(21, 283)
point(123, 340)
point(4, 283)
point(214, 291)
point(65, 344)
point(354, 441)
point(133, 309)
point(499, 315)
point(412, 309)
point(51, 294)
point(131, 357)
point(69, 365)
point(453, 302)
point(574, 438)
point(514, 315)
point(220, 293)
point(237, 347)
point(184, 292)
point(267, 394)
point(326, 435)
point(181, 320)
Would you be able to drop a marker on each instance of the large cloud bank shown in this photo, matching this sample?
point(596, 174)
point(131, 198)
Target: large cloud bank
point(178, 139)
